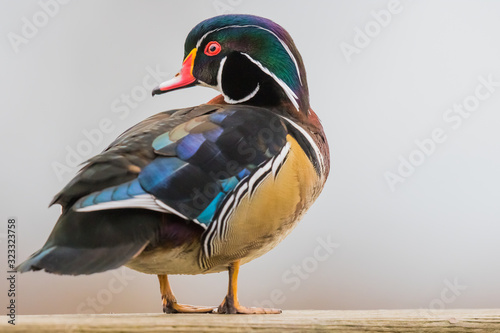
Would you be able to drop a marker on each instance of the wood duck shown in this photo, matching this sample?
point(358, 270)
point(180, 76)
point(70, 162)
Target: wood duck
point(202, 189)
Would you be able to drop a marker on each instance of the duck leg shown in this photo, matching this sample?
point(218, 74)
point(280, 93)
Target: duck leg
point(170, 304)
point(231, 303)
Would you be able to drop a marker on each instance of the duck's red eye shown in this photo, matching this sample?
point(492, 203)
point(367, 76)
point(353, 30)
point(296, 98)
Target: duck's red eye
point(212, 48)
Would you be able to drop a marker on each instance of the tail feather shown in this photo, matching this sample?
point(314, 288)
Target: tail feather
point(91, 242)
point(73, 261)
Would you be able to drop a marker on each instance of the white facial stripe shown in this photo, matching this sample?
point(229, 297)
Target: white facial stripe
point(287, 49)
point(226, 97)
point(206, 84)
point(289, 92)
point(244, 99)
point(291, 56)
point(319, 156)
point(219, 74)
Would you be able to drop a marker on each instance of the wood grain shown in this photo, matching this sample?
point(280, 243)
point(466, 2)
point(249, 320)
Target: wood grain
point(484, 320)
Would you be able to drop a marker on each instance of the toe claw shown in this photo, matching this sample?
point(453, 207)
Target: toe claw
point(224, 308)
point(185, 308)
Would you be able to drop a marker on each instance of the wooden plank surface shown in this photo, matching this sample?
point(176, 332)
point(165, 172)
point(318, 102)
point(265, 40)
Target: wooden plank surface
point(289, 321)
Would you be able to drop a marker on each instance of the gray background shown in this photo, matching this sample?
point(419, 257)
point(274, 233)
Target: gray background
point(394, 249)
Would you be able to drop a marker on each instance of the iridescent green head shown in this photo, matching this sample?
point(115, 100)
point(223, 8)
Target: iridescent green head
point(249, 59)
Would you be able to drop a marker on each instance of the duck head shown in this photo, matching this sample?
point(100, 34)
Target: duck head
point(248, 59)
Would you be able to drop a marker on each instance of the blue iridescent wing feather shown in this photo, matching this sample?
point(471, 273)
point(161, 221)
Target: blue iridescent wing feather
point(199, 162)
